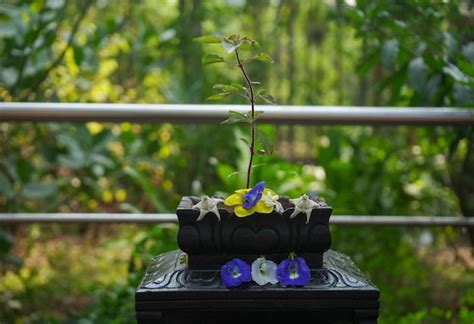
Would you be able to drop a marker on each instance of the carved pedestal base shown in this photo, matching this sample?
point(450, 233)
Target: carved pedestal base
point(171, 292)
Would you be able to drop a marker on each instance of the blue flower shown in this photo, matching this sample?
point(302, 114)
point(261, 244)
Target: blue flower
point(252, 197)
point(293, 271)
point(234, 272)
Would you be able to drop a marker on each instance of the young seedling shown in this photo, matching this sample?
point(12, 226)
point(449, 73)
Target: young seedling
point(251, 91)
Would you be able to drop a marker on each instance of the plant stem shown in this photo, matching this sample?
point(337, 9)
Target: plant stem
point(251, 98)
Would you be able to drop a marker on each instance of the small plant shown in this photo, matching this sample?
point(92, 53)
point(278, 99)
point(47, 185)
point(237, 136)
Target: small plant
point(251, 91)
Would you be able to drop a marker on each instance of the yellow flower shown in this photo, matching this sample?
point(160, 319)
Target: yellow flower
point(237, 199)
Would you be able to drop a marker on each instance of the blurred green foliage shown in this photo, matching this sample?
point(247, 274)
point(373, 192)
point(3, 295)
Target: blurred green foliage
point(410, 53)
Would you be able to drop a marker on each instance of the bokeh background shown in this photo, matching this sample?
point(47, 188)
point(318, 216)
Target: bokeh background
point(380, 53)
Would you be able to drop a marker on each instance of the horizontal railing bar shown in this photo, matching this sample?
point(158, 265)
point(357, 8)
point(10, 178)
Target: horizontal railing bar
point(182, 113)
point(171, 218)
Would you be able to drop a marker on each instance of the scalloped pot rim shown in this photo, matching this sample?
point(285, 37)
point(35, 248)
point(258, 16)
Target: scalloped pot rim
point(288, 209)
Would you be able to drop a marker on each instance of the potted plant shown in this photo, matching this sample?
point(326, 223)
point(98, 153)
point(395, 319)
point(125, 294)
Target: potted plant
point(253, 221)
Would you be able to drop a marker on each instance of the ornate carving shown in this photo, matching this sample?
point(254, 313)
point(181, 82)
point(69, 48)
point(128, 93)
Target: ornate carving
point(173, 292)
point(169, 271)
point(259, 234)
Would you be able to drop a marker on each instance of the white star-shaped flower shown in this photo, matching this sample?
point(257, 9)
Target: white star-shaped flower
point(303, 205)
point(208, 205)
point(271, 200)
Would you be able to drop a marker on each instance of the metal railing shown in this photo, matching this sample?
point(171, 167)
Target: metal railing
point(78, 112)
point(182, 113)
point(410, 221)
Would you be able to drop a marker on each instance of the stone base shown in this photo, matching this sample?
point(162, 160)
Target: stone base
point(171, 292)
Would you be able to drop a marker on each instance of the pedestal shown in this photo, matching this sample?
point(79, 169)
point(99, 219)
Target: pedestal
point(171, 292)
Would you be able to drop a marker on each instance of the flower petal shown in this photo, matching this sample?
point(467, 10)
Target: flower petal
point(234, 272)
point(241, 191)
point(234, 199)
point(266, 190)
point(242, 212)
point(293, 272)
point(264, 271)
point(262, 208)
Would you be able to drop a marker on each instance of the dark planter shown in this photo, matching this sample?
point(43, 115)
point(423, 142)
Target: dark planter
point(211, 242)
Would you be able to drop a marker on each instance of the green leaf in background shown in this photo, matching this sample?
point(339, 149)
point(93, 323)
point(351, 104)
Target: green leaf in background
point(369, 61)
point(207, 39)
point(454, 72)
point(55, 4)
point(9, 76)
point(417, 74)
point(5, 187)
point(6, 241)
point(265, 141)
point(39, 189)
point(145, 183)
point(390, 51)
point(211, 58)
point(450, 43)
point(468, 52)
point(264, 57)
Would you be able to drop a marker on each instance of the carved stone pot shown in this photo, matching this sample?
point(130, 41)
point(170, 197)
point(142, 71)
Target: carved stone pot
point(211, 242)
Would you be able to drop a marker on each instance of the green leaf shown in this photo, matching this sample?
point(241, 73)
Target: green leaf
point(231, 120)
point(239, 86)
point(144, 181)
point(264, 57)
point(236, 117)
point(450, 43)
point(265, 141)
point(210, 39)
point(260, 90)
point(258, 114)
point(55, 4)
point(390, 52)
point(211, 58)
point(454, 72)
point(9, 76)
point(243, 139)
point(6, 242)
point(226, 87)
point(234, 174)
point(417, 74)
point(369, 62)
point(5, 186)
point(250, 45)
point(7, 30)
point(38, 189)
point(468, 52)
point(79, 54)
point(219, 96)
point(268, 99)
